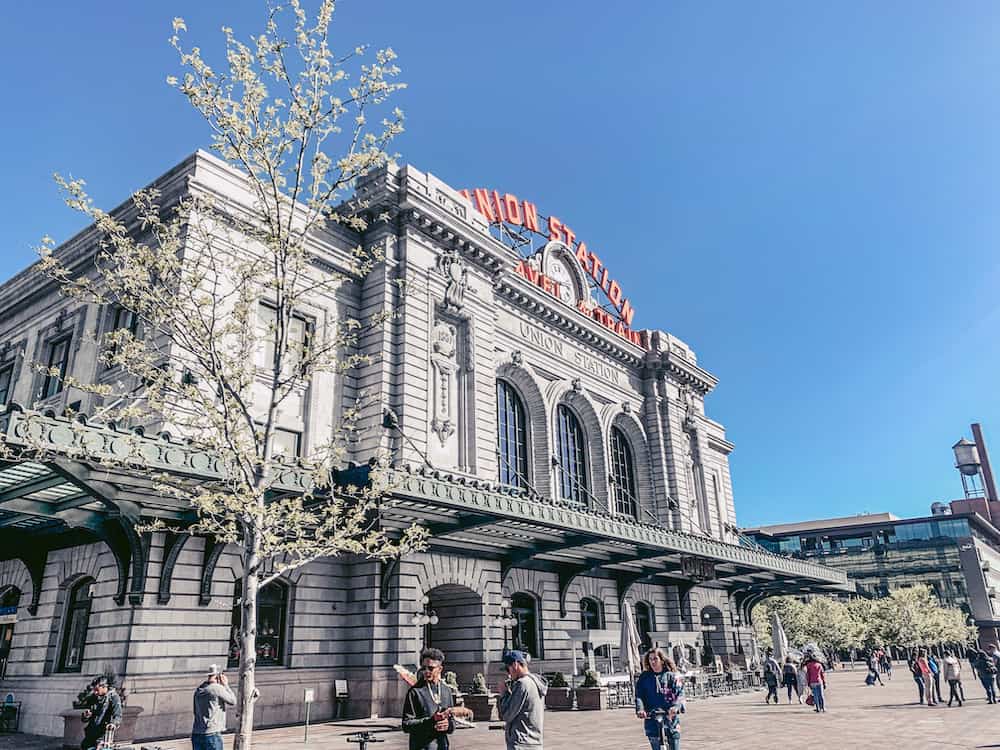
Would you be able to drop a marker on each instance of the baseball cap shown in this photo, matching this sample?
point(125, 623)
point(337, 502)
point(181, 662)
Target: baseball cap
point(514, 656)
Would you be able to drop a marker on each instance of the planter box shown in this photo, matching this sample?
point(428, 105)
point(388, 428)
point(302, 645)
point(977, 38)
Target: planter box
point(73, 727)
point(481, 705)
point(591, 699)
point(559, 699)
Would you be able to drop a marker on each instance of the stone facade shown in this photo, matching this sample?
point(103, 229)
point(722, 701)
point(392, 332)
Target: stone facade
point(464, 321)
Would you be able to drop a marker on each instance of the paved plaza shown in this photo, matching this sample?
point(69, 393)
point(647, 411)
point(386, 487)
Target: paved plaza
point(858, 717)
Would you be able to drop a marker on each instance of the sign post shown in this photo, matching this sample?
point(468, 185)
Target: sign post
point(308, 698)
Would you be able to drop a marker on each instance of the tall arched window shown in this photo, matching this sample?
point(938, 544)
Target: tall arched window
point(75, 628)
point(623, 490)
point(571, 457)
point(526, 635)
point(272, 615)
point(512, 436)
point(645, 624)
point(9, 600)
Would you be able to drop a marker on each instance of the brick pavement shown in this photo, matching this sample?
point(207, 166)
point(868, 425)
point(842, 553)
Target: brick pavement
point(858, 717)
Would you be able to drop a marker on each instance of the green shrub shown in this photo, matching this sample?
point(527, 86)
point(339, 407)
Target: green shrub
point(591, 679)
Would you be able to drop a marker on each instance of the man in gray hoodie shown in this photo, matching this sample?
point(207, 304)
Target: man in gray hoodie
point(522, 703)
point(210, 700)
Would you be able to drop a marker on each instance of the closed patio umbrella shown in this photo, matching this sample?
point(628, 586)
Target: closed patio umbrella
point(629, 653)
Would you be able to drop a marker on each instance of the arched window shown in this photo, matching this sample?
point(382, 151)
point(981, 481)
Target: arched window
point(272, 615)
point(9, 600)
point(645, 624)
point(571, 457)
point(623, 475)
point(75, 628)
point(512, 436)
point(591, 614)
point(527, 634)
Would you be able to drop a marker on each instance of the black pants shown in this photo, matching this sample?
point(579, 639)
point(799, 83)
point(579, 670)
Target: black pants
point(771, 690)
point(954, 691)
point(937, 687)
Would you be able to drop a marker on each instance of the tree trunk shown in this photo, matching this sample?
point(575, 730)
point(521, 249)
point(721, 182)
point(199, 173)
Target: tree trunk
point(248, 693)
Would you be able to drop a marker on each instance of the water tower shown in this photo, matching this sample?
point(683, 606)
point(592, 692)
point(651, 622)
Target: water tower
point(973, 463)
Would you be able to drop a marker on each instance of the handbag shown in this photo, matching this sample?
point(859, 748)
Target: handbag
point(810, 700)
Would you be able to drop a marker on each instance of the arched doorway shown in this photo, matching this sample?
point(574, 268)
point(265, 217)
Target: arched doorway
point(713, 635)
point(459, 630)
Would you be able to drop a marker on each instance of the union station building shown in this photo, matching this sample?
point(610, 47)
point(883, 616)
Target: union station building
point(562, 460)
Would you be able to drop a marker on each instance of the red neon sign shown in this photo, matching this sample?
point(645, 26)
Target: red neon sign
point(509, 209)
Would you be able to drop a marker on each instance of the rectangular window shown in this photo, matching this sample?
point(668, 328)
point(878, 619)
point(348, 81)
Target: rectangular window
point(6, 381)
point(56, 362)
point(287, 443)
point(124, 319)
point(299, 331)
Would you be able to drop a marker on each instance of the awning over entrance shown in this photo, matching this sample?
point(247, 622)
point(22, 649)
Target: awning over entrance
point(475, 517)
point(66, 482)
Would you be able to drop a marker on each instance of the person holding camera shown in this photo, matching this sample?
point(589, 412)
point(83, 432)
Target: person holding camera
point(103, 712)
point(522, 703)
point(429, 705)
point(210, 700)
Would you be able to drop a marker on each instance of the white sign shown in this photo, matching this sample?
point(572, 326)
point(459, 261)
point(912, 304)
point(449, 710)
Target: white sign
point(310, 695)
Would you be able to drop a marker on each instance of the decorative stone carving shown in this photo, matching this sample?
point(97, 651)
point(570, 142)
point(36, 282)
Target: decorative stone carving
point(443, 367)
point(577, 385)
point(627, 407)
point(516, 358)
point(456, 279)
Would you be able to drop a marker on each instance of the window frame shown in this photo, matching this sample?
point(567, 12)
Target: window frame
point(7, 367)
point(55, 382)
point(74, 605)
point(571, 457)
point(266, 343)
point(646, 642)
point(278, 639)
point(623, 475)
point(513, 437)
point(536, 630)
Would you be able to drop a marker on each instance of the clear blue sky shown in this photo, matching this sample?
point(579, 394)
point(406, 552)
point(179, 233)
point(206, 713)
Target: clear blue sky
point(805, 192)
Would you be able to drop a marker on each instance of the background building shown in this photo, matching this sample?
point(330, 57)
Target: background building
point(563, 462)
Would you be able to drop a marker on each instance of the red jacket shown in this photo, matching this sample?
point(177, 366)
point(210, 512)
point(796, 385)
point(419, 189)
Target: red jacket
point(814, 673)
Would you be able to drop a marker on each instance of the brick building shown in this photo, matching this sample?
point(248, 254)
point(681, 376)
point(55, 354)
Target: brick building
point(563, 461)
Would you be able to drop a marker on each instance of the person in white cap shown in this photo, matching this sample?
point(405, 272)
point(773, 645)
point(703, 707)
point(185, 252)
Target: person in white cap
point(210, 700)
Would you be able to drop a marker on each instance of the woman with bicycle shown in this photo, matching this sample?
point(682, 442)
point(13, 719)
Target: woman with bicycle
point(658, 694)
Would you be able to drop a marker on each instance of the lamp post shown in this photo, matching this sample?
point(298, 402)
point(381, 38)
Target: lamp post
point(425, 619)
point(505, 620)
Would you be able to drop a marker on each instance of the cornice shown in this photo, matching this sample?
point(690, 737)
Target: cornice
point(474, 495)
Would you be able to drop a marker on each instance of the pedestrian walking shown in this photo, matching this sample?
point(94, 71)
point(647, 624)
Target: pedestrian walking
point(789, 677)
point(428, 706)
point(952, 669)
point(885, 659)
point(801, 680)
point(935, 676)
point(873, 671)
point(924, 671)
point(659, 689)
point(816, 677)
point(522, 703)
point(987, 670)
point(209, 704)
point(103, 712)
point(771, 680)
point(918, 676)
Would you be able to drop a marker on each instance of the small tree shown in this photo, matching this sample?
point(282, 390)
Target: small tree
point(207, 360)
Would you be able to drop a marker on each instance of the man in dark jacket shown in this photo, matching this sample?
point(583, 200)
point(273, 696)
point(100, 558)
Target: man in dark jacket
point(428, 706)
point(103, 710)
